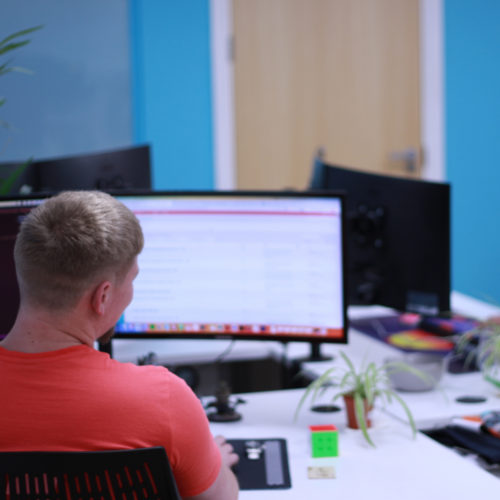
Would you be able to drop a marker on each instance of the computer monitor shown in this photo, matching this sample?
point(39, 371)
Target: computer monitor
point(127, 168)
point(398, 238)
point(264, 266)
point(18, 178)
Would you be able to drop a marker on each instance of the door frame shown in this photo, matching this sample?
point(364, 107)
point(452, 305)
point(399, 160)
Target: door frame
point(431, 36)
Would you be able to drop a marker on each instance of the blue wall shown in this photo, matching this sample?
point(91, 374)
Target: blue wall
point(78, 99)
point(172, 90)
point(472, 54)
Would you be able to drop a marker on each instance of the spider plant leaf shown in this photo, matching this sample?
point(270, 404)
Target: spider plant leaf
point(348, 363)
point(406, 409)
point(359, 410)
point(493, 381)
point(368, 388)
point(314, 387)
point(344, 381)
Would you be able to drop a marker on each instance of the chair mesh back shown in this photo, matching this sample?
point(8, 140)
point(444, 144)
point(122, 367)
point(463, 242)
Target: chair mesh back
point(142, 474)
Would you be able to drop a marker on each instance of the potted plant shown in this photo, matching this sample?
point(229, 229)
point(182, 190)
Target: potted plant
point(7, 45)
point(487, 351)
point(360, 388)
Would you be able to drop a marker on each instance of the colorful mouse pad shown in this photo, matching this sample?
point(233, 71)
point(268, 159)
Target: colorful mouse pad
point(418, 340)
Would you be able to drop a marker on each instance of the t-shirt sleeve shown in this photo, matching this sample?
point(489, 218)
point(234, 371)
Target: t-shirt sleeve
point(193, 453)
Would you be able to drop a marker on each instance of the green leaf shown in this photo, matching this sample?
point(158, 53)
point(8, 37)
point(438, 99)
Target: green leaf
point(6, 185)
point(314, 387)
point(406, 409)
point(13, 46)
point(20, 33)
point(348, 363)
point(359, 408)
point(17, 69)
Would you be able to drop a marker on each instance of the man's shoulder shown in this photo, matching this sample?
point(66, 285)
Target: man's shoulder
point(146, 374)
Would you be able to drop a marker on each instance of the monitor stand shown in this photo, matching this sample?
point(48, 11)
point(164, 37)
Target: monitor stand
point(295, 378)
point(315, 354)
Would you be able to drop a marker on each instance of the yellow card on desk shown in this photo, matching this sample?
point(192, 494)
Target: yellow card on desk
point(321, 472)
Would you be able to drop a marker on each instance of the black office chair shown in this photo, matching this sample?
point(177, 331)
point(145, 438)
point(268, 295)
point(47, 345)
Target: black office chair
point(88, 475)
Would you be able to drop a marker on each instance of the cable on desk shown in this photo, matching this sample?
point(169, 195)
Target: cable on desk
point(284, 354)
point(225, 352)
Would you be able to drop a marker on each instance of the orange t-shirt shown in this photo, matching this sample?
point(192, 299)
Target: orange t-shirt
point(78, 399)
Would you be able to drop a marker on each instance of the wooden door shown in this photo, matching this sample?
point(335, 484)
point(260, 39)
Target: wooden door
point(342, 74)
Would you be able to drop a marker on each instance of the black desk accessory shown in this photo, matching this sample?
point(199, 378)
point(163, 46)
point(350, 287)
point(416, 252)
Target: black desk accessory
point(325, 408)
point(482, 444)
point(471, 399)
point(263, 464)
point(225, 408)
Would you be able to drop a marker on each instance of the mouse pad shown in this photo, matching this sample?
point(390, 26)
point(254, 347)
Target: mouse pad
point(269, 472)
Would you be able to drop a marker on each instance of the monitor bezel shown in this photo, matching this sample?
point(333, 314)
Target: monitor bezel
point(340, 195)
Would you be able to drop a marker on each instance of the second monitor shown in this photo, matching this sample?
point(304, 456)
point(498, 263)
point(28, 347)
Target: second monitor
point(398, 238)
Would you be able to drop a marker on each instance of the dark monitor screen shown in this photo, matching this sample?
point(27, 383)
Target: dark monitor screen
point(398, 238)
point(121, 169)
point(223, 265)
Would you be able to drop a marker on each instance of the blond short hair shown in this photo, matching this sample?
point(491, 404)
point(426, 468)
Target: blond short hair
point(70, 242)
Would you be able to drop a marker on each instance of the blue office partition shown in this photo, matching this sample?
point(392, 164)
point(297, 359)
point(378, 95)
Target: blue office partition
point(472, 90)
point(77, 99)
point(171, 80)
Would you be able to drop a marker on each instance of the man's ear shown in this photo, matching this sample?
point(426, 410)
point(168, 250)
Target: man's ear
point(100, 297)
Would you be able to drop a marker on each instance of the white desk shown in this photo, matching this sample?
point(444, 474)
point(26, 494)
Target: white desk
point(431, 408)
point(399, 468)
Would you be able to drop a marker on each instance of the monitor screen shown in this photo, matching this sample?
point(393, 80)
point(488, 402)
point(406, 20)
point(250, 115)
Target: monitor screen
point(225, 265)
point(398, 234)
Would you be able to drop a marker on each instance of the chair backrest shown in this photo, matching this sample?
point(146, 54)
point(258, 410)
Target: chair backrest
point(142, 474)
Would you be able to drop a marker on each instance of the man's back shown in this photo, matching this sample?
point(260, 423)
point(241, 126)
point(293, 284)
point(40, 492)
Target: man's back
point(78, 399)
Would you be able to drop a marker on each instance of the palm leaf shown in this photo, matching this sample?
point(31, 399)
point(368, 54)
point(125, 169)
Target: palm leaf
point(13, 46)
point(19, 33)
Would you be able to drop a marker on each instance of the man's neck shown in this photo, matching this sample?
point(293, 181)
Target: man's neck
point(38, 330)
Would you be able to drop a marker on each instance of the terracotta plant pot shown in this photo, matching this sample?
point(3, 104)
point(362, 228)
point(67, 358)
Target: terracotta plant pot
point(351, 412)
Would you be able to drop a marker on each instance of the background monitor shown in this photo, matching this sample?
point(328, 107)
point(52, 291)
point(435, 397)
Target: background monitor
point(19, 179)
point(121, 169)
point(266, 266)
point(398, 238)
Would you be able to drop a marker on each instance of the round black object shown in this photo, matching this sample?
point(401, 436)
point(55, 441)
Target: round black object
point(224, 417)
point(325, 408)
point(471, 399)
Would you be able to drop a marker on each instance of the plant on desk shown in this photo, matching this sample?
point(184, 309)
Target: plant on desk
point(360, 389)
point(487, 352)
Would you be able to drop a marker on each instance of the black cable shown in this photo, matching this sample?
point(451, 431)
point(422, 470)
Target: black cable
point(225, 352)
point(285, 372)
